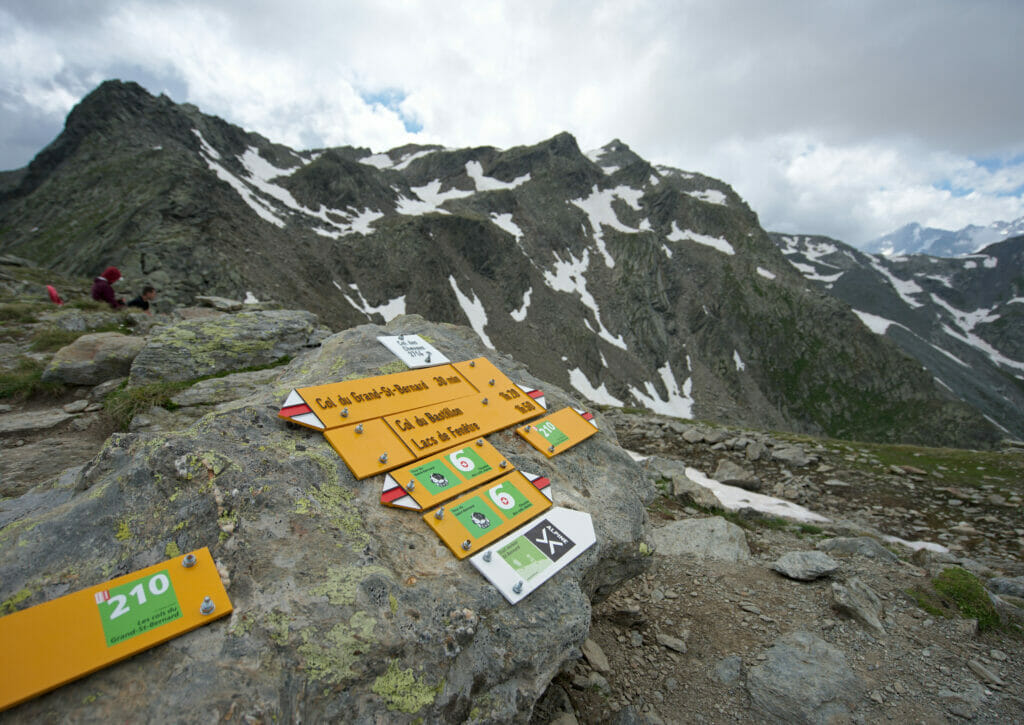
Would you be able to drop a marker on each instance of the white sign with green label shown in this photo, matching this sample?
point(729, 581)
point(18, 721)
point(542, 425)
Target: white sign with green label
point(519, 563)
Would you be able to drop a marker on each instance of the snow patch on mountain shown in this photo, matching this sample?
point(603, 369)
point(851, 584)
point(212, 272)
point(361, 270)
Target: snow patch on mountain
point(599, 210)
point(678, 403)
point(389, 310)
point(504, 221)
point(475, 171)
point(740, 365)
point(600, 395)
point(876, 324)
point(474, 310)
point(906, 289)
point(711, 196)
point(722, 245)
point(520, 314)
point(571, 277)
point(767, 274)
point(734, 498)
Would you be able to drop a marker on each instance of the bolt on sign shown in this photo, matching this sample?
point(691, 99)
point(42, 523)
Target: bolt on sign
point(485, 514)
point(519, 563)
point(443, 476)
point(559, 431)
point(413, 350)
point(59, 641)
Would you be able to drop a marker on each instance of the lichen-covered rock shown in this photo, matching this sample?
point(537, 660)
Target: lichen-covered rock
point(195, 348)
point(345, 610)
point(94, 358)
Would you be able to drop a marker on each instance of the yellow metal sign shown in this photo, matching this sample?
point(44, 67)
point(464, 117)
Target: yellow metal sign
point(436, 427)
point(559, 431)
point(369, 448)
point(334, 405)
point(485, 514)
point(51, 644)
point(443, 476)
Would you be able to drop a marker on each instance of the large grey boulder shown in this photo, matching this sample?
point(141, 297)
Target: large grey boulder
point(804, 679)
point(94, 358)
point(195, 348)
point(345, 610)
point(805, 566)
point(709, 538)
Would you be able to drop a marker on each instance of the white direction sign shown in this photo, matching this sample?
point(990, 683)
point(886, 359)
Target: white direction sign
point(519, 563)
point(413, 350)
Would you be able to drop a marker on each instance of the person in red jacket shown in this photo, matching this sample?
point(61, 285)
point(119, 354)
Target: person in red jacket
point(103, 290)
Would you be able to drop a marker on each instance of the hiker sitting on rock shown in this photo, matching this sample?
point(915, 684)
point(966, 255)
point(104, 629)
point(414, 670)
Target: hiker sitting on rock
point(102, 289)
point(143, 300)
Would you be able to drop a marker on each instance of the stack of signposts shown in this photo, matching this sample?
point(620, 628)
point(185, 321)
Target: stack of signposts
point(424, 429)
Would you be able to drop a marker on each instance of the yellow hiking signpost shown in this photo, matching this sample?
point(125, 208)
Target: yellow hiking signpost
point(485, 514)
point(56, 642)
point(559, 431)
point(380, 423)
point(432, 481)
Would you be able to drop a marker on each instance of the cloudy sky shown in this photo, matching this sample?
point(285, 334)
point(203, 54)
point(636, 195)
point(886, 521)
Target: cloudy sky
point(848, 118)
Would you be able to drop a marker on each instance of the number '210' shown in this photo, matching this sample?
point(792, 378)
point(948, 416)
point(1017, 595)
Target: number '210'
point(157, 586)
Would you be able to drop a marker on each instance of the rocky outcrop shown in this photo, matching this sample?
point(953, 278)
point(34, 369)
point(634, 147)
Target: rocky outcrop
point(344, 609)
point(191, 349)
point(95, 358)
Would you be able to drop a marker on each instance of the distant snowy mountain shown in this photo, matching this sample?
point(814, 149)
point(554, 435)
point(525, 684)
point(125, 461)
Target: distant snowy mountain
point(963, 319)
point(915, 239)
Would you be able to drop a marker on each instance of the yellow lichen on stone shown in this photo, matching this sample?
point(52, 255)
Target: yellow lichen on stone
point(172, 550)
point(331, 656)
point(9, 606)
point(402, 691)
point(341, 583)
point(123, 532)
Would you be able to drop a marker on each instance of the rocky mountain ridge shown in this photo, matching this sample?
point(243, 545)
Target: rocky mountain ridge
point(630, 283)
point(683, 612)
point(962, 318)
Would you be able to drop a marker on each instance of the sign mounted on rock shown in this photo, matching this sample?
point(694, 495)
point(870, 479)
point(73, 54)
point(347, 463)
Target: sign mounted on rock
point(443, 476)
point(527, 558)
point(413, 350)
point(56, 642)
point(482, 515)
point(382, 431)
point(559, 431)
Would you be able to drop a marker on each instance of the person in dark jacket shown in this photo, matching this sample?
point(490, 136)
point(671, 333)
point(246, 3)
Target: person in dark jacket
point(143, 300)
point(102, 289)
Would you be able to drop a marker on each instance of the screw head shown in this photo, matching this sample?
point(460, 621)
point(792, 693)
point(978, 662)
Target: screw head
point(484, 401)
point(411, 485)
point(479, 441)
point(189, 561)
point(528, 428)
point(472, 363)
point(503, 464)
point(428, 357)
point(551, 449)
point(439, 514)
point(491, 381)
point(518, 587)
point(344, 412)
point(487, 556)
point(466, 545)
point(207, 606)
point(383, 458)
point(359, 428)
